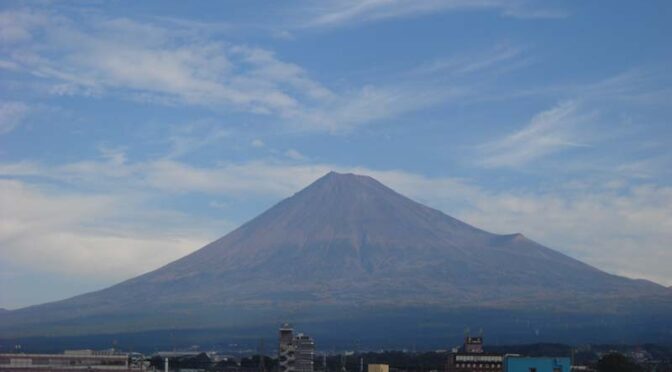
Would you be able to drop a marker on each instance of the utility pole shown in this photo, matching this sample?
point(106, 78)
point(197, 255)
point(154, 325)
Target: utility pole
point(260, 350)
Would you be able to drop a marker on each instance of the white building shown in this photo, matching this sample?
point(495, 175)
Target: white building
point(295, 353)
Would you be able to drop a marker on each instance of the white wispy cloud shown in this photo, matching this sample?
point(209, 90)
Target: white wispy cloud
point(525, 11)
point(339, 13)
point(154, 62)
point(503, 55)
point(102, 235)
point(257, 143)
point(641, 86)
point(294, 154)
point(174, 64)
point(114, 155)
point(186, 138)
point(548, 132)
point(11, 115)
point(16, 25)
point(372, 103)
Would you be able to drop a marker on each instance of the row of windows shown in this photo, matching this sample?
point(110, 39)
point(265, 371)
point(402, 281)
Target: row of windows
point(479, 365)
point(59, 362)
point(478, 358)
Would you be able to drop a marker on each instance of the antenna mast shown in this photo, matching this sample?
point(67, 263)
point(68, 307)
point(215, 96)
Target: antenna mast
point(262, 367)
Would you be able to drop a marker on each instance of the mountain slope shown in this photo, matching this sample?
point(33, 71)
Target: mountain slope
point(344, 246)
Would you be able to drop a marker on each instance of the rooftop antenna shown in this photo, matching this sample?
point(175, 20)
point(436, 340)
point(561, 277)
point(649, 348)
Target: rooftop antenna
point(572, 360)
point(260, 350)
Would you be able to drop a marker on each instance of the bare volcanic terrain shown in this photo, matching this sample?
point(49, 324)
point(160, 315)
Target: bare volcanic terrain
point(347, 251)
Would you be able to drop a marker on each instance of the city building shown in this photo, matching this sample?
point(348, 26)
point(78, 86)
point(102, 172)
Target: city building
point(473, 345)
point(515, 363)
point(473, 358)
point(71, 360)
point(379, 368)
point(286, 349)
point(295, 353)
point(304, 353)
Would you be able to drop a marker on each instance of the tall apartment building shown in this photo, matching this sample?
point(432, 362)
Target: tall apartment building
point(286, 349)
point(304, 353)
point(295, 353)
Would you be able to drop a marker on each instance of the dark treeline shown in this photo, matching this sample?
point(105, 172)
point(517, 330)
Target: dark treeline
point(200, 361)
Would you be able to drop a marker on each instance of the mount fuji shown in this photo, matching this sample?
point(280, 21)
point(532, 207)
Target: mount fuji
point(350, 257)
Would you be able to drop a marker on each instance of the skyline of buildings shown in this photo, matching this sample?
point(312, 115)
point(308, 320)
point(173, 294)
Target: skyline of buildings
point(296, 353)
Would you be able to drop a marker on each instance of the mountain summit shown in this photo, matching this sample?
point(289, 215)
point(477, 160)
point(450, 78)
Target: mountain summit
point(338, 251)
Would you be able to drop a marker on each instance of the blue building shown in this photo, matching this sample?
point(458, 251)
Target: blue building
point(514, 363)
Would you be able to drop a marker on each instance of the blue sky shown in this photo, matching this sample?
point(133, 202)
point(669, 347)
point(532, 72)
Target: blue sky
point(132, 133)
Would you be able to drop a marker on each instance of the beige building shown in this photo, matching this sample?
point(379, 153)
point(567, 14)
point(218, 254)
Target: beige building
point(70, 361)
point(379, 368)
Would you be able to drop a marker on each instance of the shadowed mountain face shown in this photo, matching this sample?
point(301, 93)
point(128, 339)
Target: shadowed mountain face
point(341, 248)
